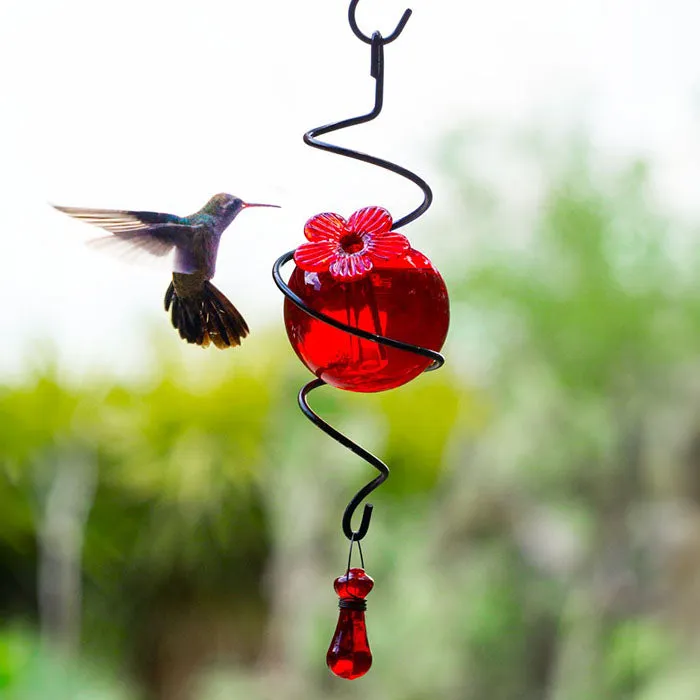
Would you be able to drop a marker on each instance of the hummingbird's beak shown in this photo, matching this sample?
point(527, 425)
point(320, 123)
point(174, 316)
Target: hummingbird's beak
point(246, 205)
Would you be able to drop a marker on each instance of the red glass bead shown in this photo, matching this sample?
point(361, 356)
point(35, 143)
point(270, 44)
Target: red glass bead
point(349, 655)
point(403, 298)
point(354, 584)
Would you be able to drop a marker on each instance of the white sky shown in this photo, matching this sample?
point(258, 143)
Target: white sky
point(141, 104)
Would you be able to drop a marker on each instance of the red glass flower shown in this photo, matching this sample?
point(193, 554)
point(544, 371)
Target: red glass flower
point(349, 249)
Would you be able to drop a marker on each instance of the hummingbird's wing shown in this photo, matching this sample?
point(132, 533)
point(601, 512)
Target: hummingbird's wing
point(138, 231)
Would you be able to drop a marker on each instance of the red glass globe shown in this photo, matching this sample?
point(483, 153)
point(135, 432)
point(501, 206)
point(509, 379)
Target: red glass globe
point(403, 298)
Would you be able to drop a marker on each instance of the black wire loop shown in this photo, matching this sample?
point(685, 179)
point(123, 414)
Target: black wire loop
point(358, 33)
point(437, 360)
point(359, 549)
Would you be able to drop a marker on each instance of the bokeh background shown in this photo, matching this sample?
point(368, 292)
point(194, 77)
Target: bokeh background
point(170, 523)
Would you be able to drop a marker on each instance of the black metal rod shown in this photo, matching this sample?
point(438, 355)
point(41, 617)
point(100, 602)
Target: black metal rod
point(361, 452)
point(311, 138)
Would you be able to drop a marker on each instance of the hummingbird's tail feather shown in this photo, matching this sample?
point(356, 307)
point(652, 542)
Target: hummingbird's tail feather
point(206, 318)
point(231, 326)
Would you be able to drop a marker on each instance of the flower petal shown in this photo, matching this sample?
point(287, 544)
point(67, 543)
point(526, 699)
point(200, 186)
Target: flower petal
point(324, 227)
point(347, 268)
point(360, 265)
point(349, 249)
point(388, 246)
point(315, 256)
point(372, 220)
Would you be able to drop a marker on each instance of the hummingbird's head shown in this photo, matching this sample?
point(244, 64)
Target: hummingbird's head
point(225, 207)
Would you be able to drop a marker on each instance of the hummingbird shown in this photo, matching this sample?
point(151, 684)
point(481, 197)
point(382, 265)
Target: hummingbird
point(198, 310)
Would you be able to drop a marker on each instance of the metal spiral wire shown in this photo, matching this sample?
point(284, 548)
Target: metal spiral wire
point(377, 43)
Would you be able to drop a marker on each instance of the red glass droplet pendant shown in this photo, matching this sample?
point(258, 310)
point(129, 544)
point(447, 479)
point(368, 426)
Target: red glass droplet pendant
point(349, 655)
point(366, 276)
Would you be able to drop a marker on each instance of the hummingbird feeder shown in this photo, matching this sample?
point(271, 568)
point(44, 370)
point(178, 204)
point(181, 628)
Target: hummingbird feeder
point(365, 312)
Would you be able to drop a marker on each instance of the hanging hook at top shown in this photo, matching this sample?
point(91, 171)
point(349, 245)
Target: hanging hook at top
point(368, 40)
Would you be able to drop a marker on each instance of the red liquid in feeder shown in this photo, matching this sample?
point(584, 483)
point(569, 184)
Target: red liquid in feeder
point(404, 299)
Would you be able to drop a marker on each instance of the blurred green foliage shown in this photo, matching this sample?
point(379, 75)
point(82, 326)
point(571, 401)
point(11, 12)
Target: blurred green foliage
point(177, 537)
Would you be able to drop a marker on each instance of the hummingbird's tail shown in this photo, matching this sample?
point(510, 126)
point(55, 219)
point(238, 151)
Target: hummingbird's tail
point(206, 318)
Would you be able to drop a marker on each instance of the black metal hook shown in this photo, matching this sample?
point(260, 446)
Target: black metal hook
point(311, 138)
point(394, 35)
